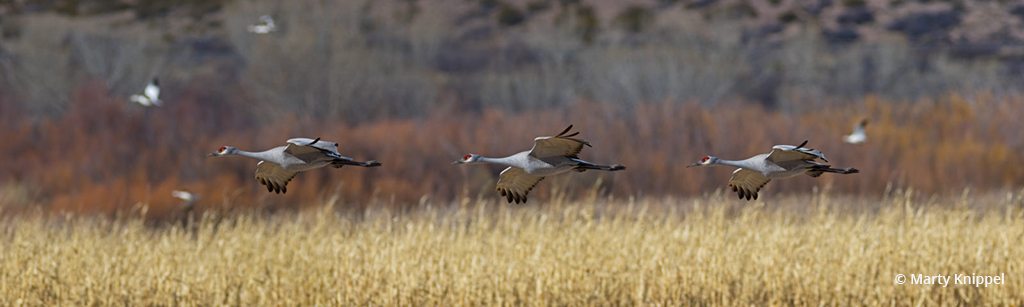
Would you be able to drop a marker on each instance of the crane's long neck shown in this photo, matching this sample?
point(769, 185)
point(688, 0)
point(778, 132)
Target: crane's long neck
point(262, 155)
point(747, 164)
point(507, 161)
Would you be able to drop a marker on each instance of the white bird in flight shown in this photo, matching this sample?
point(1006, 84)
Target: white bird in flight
point(858, 135)
point(784, 161)
point(280, 164)
point(188, 199)
point(266, 25)
point(550, 155)
point(150, 96)
point(184, 196)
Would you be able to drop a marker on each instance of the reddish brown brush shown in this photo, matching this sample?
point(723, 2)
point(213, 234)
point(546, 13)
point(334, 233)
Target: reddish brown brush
point(106, 155)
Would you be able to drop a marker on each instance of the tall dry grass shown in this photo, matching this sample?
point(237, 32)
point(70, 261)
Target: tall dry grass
point(808, 250)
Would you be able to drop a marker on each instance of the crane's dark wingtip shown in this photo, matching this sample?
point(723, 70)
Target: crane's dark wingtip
point(564, 131)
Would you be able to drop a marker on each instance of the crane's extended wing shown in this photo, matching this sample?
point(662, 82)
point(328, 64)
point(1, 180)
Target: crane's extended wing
point(317, 143)
point(310, 154)
point(561, 145)
point(747, 183)
point(273, 176)
point(785, 153)
point(515, 184)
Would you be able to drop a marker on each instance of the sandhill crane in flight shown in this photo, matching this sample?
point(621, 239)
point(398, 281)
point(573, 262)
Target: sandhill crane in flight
point(784, 161)
point(550, 155)
point(858, 135)
point(150, 97)
point(279, 165)
point(266, 25)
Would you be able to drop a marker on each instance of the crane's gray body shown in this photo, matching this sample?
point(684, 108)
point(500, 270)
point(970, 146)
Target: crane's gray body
point(771, 169)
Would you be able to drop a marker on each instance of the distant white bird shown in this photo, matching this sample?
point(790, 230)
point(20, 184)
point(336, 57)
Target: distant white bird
point(784, 161)
point(266, 25)
point(858, 135)
point(188, 199)
point(184, 196)
point(150, 96)
point(280, 164)
point(550, 155)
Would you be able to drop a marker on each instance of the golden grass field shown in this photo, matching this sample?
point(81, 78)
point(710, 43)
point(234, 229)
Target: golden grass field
point(802, 250)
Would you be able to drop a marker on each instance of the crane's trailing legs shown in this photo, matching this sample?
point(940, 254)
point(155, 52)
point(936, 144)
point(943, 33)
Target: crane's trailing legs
point(817, 170)
point(583, 166)
point(338, 163)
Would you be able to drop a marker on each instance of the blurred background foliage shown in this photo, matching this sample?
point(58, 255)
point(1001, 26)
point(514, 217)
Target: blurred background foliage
point(653, 84)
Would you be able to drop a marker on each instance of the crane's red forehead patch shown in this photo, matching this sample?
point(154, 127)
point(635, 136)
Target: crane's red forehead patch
point(466, 157)
point(222, 148)
point(705, 158)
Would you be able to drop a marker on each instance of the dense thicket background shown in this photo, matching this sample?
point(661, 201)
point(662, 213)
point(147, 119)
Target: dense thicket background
point(653, 85)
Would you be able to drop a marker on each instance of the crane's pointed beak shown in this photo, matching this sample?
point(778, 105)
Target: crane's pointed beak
point(456, 162)
point(212, 154)
point(694, 164)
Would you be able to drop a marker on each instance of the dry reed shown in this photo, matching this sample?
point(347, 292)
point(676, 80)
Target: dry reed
point(809, 250)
